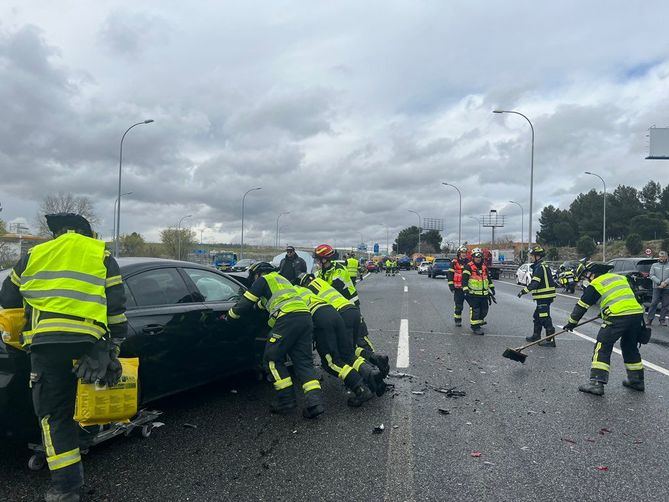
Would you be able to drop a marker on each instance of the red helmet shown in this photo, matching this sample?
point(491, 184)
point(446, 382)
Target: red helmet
point(324, 251)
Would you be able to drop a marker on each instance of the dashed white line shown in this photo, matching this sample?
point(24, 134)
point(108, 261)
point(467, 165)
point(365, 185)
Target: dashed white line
point(406, 289)
point(403, 278)
point(366, 275)
point(403, 345)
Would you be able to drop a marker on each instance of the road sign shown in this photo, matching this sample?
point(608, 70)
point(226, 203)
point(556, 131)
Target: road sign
point(649, 252)
point(200, 251)
point(376, 248)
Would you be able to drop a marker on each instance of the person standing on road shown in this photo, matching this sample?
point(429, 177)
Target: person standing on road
point(292, 334)
point(388, 266)
point(622, 317)
point(659, 274)
point(74, 302)
point(542, 287)
point(336, 275)
point(455, 283)
point(292, 265)
point(478, 289)
point(352, 265)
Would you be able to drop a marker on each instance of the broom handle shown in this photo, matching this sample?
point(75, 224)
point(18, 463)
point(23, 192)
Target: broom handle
point(549, 337)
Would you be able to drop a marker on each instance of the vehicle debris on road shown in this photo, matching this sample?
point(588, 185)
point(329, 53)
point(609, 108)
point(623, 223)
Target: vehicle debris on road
point(378, 429)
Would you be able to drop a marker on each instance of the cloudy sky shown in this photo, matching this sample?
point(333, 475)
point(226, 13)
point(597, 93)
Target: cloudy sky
point(347, 114)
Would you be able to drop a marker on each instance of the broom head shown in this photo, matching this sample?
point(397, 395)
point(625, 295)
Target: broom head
point(515, 355)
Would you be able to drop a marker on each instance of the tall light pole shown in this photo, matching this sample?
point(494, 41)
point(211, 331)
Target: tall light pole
point(460, 217)
point(420, 221)
point(120, 166)
point(179, 234)
point(114, 213)
point(479, 224)
point(522, 225)
point(276, 239)
point(530, 236)
point(604, 224)
point(241, 246)
point(387, 239)
point(279, 234)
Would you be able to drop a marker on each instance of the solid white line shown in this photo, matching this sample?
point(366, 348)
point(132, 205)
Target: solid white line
point(406, 289)
point(647, 364)
point(403, 278)
point(366, 275)
point(403, 345)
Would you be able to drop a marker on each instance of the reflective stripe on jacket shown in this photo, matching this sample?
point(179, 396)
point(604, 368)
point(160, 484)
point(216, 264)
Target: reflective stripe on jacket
point(479, 283)
point(545, 285)
point(311, 299)
point(329, 294)
point(352, 266)
point(284, 298)
point(338, 272)
point(616, 296)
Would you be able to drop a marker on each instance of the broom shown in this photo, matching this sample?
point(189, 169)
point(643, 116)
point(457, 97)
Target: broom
point(517, 354)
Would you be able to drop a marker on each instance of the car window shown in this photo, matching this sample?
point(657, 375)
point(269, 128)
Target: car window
point(129, 299)
point(214, 287)
point(644, 265)
point(163, 286)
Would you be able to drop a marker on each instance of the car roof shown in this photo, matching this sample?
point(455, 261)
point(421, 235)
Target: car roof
point(636, 261)
point(131, 265)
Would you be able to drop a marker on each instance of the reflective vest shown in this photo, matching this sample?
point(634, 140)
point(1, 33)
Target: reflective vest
point(616, 296)
point(66, 276)
point(284, 298)
point(457, 268)
point(546, 287)
point(329, 294)
point(312, 300)
point(338, 271)
point(478, 280)
point(352, 266)
point(389, 264)
point(566, 277)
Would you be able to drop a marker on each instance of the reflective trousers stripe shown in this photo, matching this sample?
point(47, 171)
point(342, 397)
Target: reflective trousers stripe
point(596, 363)
point(358, 362)
point(369, 342)
point(358, 351)
point(64, 459)
point(46, 433)
point(311, 385)
point(634, 366)
point(283, 384)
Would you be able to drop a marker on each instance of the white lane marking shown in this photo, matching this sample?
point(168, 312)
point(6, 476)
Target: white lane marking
point(403, 278)
point(403, 345)
point(366, 275)
point(406, 289)
point(647, 364)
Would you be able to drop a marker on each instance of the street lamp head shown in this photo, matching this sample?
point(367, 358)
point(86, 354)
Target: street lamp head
point(588, 172)
point(498, 111)
point(148, 121)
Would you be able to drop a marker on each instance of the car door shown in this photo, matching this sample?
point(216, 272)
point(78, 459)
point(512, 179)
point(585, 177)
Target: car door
point(226, 346)
point(163, 317)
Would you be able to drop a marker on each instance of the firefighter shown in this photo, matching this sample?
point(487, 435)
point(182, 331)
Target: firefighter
point(455, 283)
point(542, 287)
point(622, 317)
point(352, 265)
point(388, 266)
point(73, 296)
point(567, 279)
point(336, 275)
point(291, 334)
point(478, 289)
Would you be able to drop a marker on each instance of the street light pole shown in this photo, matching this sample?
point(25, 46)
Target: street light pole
point(420, 220)
point(529, 244)
point(479, 224)
point(522, 226)
point(460, 217)
point(241, 246)
point(604, 224)
point(276, 239)
point(120, 166)
point(114, 214)
point(179, 235)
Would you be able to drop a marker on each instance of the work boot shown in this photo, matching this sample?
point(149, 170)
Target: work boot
point(477, 330)
point(634, 380)
point(361, 395)
point(381, 361)
point(533, 337)
point(284, 403)
point(313, 404)
point(458, 322)
point(54, 495)
point(548, 343)
point(592, 387)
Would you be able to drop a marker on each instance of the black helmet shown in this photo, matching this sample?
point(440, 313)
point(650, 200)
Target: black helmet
point(593, 267)
point(538, 251)
point(58, 222)
point(261, 267)
point(304, 279)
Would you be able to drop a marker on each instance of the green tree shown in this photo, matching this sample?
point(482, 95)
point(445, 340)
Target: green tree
point(622, 206)
point(553, 254)
point(171, 242)
point(665, 245)
point(587, 209)
point(585, 246)
point(132, 245)
point(649, 226)
point(547, 220)
point(634, 244)
point(664, 202)
point(650, 196)
point(431, 238)
point(407, 240)
point(565, 234)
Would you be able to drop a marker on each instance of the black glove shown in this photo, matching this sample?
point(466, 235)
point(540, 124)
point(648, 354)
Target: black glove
point(489, 300)
point(94, 363)
point(492, 297)
point(114, 372)
point(521, 293)
point(570, 326)
point(451, 287)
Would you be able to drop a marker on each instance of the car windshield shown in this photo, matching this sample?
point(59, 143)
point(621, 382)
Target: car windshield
point(644, 266)
point(224, 257)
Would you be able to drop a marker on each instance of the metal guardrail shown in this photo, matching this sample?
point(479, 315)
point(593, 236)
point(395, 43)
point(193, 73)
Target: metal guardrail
point(507, 270)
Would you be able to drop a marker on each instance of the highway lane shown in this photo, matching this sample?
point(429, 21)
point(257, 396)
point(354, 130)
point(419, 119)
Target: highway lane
point(538, 437)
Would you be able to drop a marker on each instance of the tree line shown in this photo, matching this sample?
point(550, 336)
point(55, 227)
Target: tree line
point(632, 215)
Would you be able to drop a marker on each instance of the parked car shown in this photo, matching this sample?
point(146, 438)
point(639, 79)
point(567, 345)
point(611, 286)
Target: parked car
point(438, 267)
point(174, 311)
point(243, 265)
point(524, 274)
point(423, 268)
point(404, 263)
point(637, 271)
point(371, 266)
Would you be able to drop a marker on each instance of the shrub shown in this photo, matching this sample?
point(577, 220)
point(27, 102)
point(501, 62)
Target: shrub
point(633, 244)
point(585, 246)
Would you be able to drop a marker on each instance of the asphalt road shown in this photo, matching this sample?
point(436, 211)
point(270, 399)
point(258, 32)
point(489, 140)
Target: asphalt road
point(537, 436)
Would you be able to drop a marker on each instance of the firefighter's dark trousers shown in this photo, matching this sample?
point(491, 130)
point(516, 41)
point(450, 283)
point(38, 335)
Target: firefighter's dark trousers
point(478, 309)
point(335, 346)
point(54, 390)
point(292, 335)
point(627, 329)
point(459, 301)
point(357, 328)
point(542, 316)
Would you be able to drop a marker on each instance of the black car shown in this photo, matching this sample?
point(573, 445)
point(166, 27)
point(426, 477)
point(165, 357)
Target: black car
point(637, 272)
point(174, 311)
point(438, 267)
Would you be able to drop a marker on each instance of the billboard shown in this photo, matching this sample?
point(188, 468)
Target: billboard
point(659, 143)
